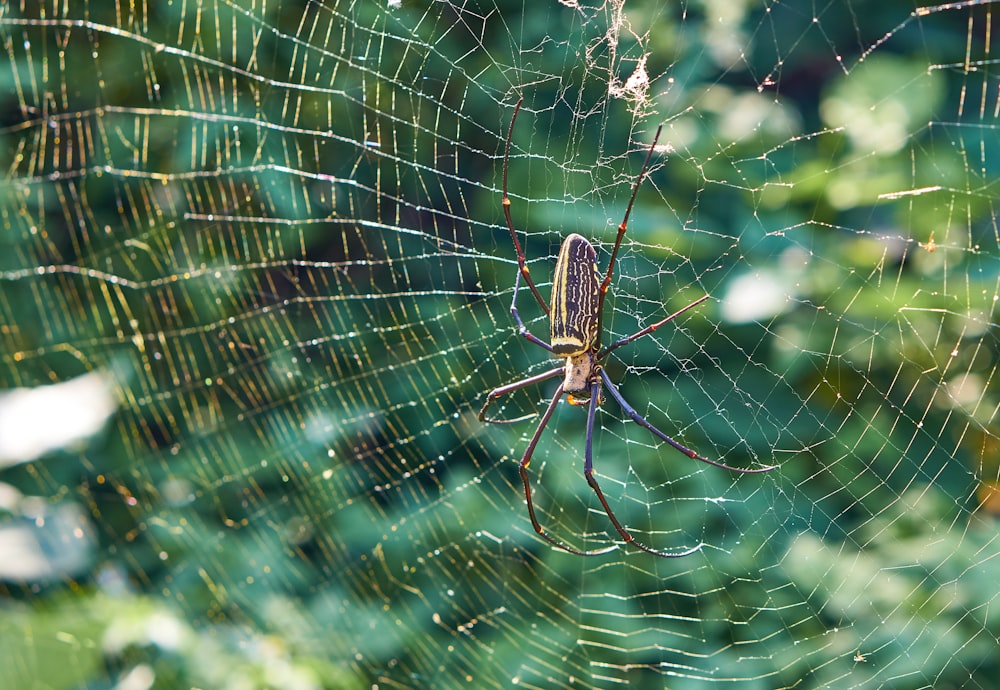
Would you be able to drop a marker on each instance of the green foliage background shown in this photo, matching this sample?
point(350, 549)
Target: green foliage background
point(298, 203)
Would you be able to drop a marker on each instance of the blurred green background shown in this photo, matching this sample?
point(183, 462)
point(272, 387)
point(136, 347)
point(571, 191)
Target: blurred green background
point(255, 285)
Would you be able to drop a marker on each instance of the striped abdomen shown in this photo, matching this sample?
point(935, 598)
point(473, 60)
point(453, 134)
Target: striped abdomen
point(575, 297)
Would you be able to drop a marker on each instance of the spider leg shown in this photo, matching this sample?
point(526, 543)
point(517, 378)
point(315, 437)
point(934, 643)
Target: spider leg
point(588, 472)
point(522, 265)
point(628, 210)
point(509, 388)
point(648, 329)
point(639, 419)
point(525, 461)
point(521, 328)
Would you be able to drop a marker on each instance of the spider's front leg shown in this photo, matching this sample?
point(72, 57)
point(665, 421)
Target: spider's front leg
point(522, 266)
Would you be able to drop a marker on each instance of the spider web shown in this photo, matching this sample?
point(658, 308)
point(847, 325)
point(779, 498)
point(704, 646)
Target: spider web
point(255, 285)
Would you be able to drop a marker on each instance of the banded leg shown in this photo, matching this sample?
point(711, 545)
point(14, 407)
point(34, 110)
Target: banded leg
point(525, 461)
point(648, 329)
point(622, 227)
point(522, 265)
point(588, 472)
point(511, 387)
point(628, 210)
point(639, 419)
point(521, 328)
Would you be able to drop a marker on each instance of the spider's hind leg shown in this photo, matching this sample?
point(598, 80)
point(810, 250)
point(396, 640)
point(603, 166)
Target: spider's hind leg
point(588, 472)
point(525, 461)
point(642, 421)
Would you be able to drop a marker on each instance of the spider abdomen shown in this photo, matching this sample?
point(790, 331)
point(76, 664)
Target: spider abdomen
point(575, 298)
